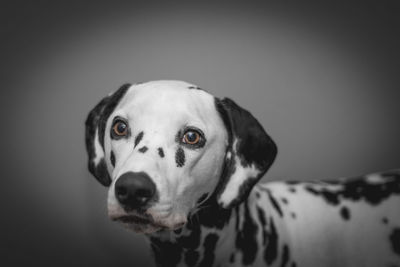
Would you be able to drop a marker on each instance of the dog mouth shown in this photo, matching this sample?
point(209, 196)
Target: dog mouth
point(144, 223)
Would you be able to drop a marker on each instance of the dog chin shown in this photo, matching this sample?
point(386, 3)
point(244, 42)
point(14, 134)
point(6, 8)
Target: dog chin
point(145, 225)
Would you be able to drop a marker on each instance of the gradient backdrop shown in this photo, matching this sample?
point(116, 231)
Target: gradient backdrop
point(323, 79)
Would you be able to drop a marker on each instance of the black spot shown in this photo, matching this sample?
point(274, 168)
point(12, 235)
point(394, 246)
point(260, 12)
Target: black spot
point(191, 257)
point(292, 189)
point(395, 240)
point(385, 220)
point(258, 195)
point(294, 264)
point(161, 152)
point(330, 197)
point(275, 203)
point(284, 200)
point(293, 215)
point(356, 189)
point(246, 239)
point(191, 241)
point(96, 121)
point(285, 256)
point(292, 182)
point(232, 258)
point(271, 250)
point(112, 158)
point(166, 252)
point(211, 214)
point(344, 211)
point(143, 149)
point(138, 138)
point(261, 217)
point(180, 157)
point(210, 243)
point(195, 87)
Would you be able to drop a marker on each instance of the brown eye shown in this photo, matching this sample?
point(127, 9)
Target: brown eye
point(191, 137)
point(120, 128)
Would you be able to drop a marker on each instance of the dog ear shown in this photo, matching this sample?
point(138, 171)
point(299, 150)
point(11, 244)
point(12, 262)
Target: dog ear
point(249, 154)
point(94, 134)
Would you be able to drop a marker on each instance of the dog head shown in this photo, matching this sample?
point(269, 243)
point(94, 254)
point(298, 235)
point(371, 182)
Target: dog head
point(163, 147)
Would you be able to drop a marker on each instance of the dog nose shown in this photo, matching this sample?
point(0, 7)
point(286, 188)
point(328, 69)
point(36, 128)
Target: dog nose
point(134, 189)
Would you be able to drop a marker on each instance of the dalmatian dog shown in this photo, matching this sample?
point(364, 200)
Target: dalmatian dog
point(182, 167)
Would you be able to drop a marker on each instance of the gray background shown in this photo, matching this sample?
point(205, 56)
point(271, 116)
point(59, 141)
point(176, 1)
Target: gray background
point(323, 79)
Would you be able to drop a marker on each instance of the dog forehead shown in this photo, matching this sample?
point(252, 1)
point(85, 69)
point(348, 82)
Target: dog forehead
point(172, 99)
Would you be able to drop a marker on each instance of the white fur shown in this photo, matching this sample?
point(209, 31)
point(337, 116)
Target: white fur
point(160, 109)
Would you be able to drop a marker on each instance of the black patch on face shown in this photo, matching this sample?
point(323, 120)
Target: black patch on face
point(344, 211)
point(271, 250)
point(395, 240)
point(97, 120)
point(385, 220)
point(138, 138)
point(294, 264)
point(359, 189)
point(112, 159)
point(284, 200)
point(261, 217)
point(210, 243)
point(258, 195)
point(143, 149)
point(166, 252)
point(246, 239)
point(293, 190)
point(285, 256)
point(293, 215)
point(161, 152)
point(180, 157)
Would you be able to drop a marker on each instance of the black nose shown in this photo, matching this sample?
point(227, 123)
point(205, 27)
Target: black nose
point(134, 189)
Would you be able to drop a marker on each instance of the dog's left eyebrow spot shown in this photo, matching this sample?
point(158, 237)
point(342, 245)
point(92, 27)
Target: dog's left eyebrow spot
point(180, 157)
point(138, 138)
point(143, 149)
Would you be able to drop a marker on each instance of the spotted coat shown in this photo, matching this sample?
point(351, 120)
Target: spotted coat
point(199, 203)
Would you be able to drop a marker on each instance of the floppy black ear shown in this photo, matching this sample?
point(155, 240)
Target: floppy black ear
point(94, 135)
point(249, 155)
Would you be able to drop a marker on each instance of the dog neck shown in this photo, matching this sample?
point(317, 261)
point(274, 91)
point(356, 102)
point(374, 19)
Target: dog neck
point(207, 237)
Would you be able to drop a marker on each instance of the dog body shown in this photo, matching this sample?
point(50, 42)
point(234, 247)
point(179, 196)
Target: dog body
point(182, 167)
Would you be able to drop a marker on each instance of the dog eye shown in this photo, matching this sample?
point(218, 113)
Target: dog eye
point(120, 128)
point(191, 137)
